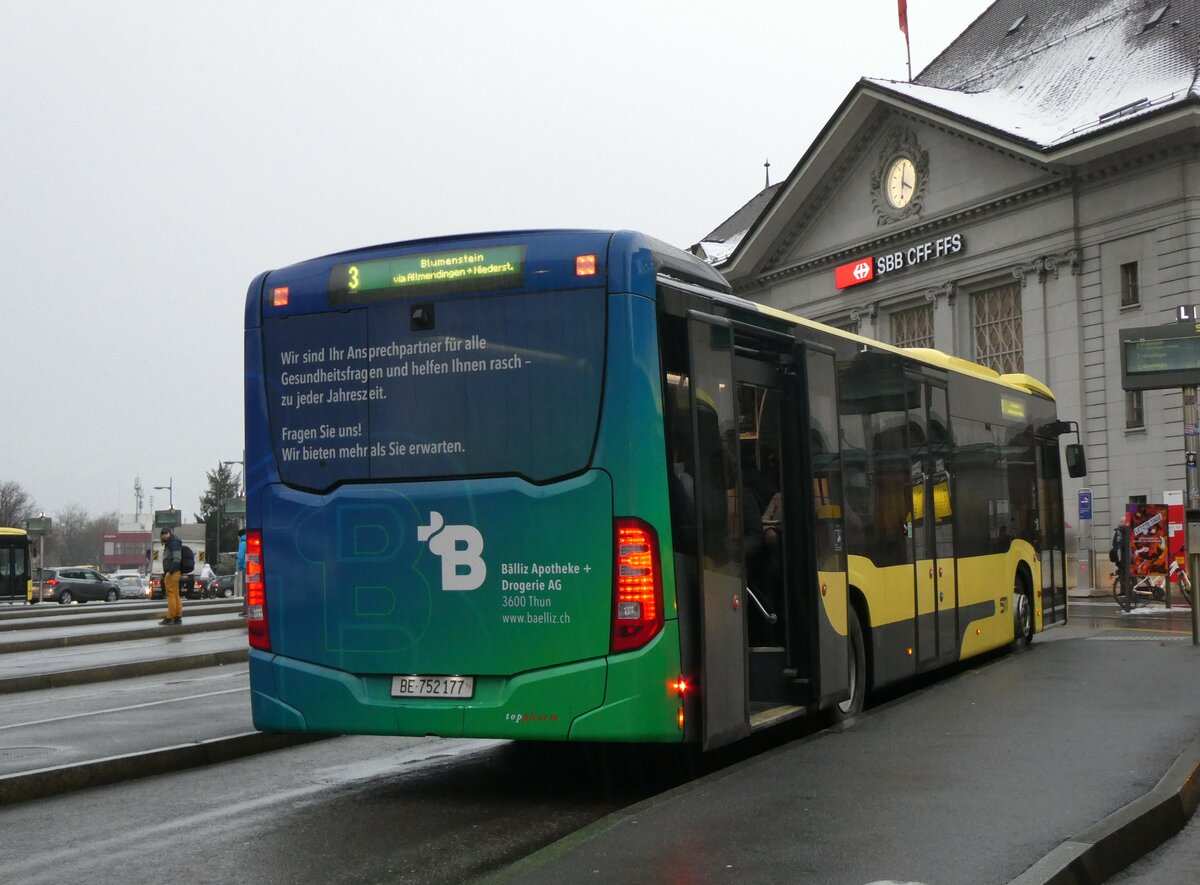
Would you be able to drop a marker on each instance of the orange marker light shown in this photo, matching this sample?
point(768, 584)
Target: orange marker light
point(281, 296)
point(681, 718)
point(585, 265)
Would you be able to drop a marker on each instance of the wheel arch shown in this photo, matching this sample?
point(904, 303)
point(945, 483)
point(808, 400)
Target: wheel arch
point(858, 601)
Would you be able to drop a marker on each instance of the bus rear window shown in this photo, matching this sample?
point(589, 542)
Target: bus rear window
point(463, 387)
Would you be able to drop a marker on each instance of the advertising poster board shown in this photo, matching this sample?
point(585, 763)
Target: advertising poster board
point(1176, 536)
point(1147, 539)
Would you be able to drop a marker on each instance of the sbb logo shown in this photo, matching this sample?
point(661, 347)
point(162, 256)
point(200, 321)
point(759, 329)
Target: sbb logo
point(860, 270)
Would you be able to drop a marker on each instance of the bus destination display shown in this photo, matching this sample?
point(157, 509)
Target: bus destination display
point(472, 269)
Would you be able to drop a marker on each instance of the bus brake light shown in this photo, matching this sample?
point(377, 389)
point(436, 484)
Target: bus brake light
point(256, 597)
point(280, 296)
point(585, 265)
point(637, 579)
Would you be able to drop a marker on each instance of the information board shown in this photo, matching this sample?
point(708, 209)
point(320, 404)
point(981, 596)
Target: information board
point(1159, 357)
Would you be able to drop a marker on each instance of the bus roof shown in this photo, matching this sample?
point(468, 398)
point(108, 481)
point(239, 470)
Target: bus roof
point(1020, 382)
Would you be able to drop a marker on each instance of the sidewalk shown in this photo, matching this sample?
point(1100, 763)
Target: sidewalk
point(1062, 763)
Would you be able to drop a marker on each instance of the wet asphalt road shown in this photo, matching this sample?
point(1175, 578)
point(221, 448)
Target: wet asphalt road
point(424, 810)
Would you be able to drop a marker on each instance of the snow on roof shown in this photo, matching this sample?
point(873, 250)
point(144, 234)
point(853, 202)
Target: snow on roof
point(718, 244)
point(716, 251)
point(1009, 112)
point(1042, 72)
point(1066, 70)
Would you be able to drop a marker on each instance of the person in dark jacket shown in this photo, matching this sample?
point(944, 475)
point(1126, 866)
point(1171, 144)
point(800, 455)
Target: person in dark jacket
point(172, 560)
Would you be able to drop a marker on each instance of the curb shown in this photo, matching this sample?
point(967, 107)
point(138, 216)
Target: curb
point(133, 614)
point(37, 681)
point(139, 631)
point(1129, 833)
point(43, 782)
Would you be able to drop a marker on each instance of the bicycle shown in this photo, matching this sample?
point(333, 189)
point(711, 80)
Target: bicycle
point(1149, 587)
point(1177, 573)
point(1138, 593)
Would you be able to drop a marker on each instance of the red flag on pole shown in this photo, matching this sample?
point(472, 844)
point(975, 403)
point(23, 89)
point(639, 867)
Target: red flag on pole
point(903, 8)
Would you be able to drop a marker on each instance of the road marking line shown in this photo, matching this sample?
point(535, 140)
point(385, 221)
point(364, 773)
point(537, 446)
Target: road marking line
point(192, 697)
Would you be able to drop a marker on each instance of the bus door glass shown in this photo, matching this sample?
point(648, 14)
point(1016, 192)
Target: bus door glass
point(719, 532)
point(940, 489)
point(932, 524)
point(759, 401)
point(921, 522)
point(1051, 535)
point(827, 547)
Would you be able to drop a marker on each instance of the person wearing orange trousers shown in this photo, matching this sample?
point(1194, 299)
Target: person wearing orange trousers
point(172, 557)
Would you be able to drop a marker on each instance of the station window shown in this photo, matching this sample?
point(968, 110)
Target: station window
point(999, 340)
point(1135, 410)
point(913, 328)
point(1130, 296)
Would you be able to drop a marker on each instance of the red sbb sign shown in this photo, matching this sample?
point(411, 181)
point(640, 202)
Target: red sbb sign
point(855, 273)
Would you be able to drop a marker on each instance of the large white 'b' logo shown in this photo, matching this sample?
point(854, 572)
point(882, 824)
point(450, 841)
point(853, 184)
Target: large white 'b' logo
point(460, 548)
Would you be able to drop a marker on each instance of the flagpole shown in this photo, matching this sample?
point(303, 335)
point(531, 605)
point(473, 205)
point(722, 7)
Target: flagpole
point(902, 10)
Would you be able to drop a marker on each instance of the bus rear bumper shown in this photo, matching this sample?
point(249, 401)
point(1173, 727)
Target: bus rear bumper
point(621, 698)
point(295, 696)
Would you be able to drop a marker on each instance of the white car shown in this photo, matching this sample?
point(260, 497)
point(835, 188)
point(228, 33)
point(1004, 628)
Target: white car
point(132, 586)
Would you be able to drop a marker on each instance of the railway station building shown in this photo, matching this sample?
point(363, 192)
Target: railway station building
point(1031, 193)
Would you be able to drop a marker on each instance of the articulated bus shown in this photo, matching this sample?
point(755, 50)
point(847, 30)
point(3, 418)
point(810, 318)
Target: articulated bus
point(562, 485)
point(16, 571)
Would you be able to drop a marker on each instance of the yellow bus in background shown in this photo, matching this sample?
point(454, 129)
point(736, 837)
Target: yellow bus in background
point(16, 569)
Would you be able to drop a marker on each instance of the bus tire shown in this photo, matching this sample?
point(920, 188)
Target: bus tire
point(853, 705)
point(1022, 614)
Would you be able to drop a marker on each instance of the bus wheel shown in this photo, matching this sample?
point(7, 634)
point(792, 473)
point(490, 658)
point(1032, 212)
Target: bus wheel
point(853, 705)
point(1022, 616)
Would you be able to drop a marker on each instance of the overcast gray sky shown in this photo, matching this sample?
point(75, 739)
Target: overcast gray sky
point(156, 155)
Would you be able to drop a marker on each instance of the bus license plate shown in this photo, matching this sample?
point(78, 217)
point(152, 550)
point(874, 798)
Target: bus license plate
point(433, 686)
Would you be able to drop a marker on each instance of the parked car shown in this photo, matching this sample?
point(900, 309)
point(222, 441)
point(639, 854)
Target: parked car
point(221, 587)
point(132, 586)
point(66, 584)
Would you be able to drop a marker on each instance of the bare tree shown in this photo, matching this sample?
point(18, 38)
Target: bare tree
point(78, 537)
point(15, 505)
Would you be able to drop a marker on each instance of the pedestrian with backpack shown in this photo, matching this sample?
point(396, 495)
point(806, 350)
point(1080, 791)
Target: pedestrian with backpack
point(172, 560)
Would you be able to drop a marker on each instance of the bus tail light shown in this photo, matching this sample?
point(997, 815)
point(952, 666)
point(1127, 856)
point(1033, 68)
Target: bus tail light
point(637, 585)
point(256, 597)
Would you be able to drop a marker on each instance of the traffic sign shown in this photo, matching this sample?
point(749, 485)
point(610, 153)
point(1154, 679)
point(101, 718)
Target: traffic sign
point(1085, 503)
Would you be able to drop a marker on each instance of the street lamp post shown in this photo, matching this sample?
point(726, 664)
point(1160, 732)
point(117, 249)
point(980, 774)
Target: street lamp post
point(242, 476)
point(170, 488)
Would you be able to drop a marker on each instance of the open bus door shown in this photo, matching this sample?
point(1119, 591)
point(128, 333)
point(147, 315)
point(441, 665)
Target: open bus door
point(772, 614)
point(721, 573)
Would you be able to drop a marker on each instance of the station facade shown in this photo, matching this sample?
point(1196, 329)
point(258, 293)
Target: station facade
point(1030, 194)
